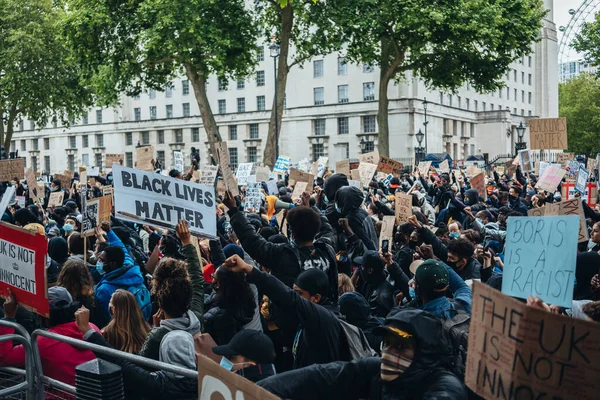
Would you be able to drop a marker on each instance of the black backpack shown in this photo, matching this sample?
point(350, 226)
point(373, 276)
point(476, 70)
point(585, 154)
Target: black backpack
point(456, 331)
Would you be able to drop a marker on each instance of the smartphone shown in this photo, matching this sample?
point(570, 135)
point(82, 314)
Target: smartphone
point(385, 245)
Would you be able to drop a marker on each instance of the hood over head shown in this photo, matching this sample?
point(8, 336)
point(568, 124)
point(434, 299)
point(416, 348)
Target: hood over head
point(587, 265)
point(177, 348)
point(471, 197)
point(58, 250)
point(333, 184)
point(355, 308)
point(349, 199)
point(188, 322)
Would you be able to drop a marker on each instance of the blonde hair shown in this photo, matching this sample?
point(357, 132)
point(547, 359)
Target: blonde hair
point(127, 330)
point(344, 284)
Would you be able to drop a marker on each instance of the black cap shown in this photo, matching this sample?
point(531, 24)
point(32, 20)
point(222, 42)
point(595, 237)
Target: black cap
point(254, 345)
point(370, 259)
point(432, 276)
point(174, 173)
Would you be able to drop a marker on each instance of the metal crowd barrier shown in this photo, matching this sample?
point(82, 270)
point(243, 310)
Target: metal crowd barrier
point(21, 386)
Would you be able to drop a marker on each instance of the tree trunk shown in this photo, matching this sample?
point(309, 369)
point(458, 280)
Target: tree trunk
point(390, 64)
point(287, 22)
point(198, 80)
point(10, 122)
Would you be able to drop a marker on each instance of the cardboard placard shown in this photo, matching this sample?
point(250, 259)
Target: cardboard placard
point(6, 198)
point(518, 352)
point(355, 175)
point(243, 172)
point(550, 178)
point(403, 207)
point(544, 165)
point(253, 199)
point(299, 188)
point(424, 167)
point(23, 267)
point(564, 158)
point(207, 174)
point(473, 170)
point(343, 167)
point(366, 172)
point(105, 208)
point(445, 167)
point(110, 159)
point(56, 199)
point(354, 183)
point(510, 168)
point(387, 230)
point(390, 166)
point(10, 169)
point(548, 133)
point(500, 170)
point(31, 184)
point(565, 207)
point(262, 174)
point(369, 158)
point(178, 161)
point(282, 165)
point(525, 161)
point(321, 163)
point(590, 195)
point(143, 158)
point(163, 201)
point(582, 178)
point(272, 188)
point(478, 182)
point(90, 217)
point(300, 176)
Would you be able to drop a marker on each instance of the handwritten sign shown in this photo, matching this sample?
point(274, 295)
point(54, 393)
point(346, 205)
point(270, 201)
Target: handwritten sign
point(297, 175)
point(104, 208)
point(282, 165)
point(478, 182)
point(178, 161)
point(110, 159)
point(343, 167)
point(253, 200)
point(550, 178)
point(56, 199)
point(473, 170)
point(564, 158)
point(445, 167)
point(390, 166)
point(10, 169)
point(590, 195)
point(143, 158)
point(403, 207)
point(540, 256)
point(262, 174)
point(32, 185)
point(305, 166)
point(366, 172)
point(582, 178)
point(243, 172)
point(354, 183)
point(548, 133)
point(369, 158)
point(525, 161)
point(299, 188)
point(520, 352)
point(387, 229)
point(208, 174)
point(424, 167)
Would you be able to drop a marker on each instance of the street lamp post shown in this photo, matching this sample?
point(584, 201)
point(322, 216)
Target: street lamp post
point(419, 151)
point(425, 123)
point(275, 51)
point(520, 145)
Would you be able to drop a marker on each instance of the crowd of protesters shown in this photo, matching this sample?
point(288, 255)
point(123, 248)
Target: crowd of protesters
point(299, 296)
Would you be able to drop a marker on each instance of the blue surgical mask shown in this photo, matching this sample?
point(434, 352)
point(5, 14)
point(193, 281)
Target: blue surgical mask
point(411, 292)
point(225, 363)
point(68, 228)
point(479, 220)
point(325, 200)
point(337, 208)
point(454, 235)
point(100, 267)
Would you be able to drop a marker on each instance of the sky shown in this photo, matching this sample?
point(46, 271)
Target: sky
point(562, 16)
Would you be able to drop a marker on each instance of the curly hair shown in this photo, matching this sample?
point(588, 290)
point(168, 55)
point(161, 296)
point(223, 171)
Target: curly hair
point(304, 222)
point(172, 286)
point(592, 310)
point(75, 277)
point(234, 293)
point(461, 248)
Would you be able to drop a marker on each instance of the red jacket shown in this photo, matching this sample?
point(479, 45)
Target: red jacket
point(58, 359)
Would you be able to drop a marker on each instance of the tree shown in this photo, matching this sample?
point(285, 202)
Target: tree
point(445, 43)
point(39, 79)
point(579, 102)
point(125, 46)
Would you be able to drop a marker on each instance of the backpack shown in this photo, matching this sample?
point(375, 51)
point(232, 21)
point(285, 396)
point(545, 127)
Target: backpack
point(142, 296)
point(456, 331)
point(357, 345)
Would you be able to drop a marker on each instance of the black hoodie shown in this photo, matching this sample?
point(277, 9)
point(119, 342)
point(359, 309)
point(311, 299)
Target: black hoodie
point(349, 201)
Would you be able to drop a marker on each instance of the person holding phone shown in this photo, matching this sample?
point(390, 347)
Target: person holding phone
point(373, 283)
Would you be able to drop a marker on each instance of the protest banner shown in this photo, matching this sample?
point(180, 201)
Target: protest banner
point(107, 191)
point(424, 167)
point(322, 163)
point(520, 352)
point(23, 267)
point(343, 167)
point(253, 199)
point(390, 166)
point(282, 165)
point(56, 199)
point(208, 174)
point(215, 382)
point(369, 158)
point(544, 165)
point(93, 171)
point(104, 209)
point(6, 198)
point(387, 231)
point(403, 207)
point(163, 201)
point(540, 256)
point(445, 167)
point(572, 169)
point(525, 161)
point(90, 217)
point(366, 172)
point(300, 176)
point(262, 174)
point(299, 188)
point(272, 188)
point(305, 166)
point(11, 169)
point(178, 161)
point(110, 159)
point(548, 133)
point(564, 158)
point(143, 158)
point(473, 170)
point(582, 178)
point(550, 178)
point(478, 182)
point(590, 194)
point(243, 172)
point(354, 183)
point(32, 185)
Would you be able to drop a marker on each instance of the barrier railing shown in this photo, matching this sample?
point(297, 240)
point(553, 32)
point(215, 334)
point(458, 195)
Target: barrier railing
point(28, 386)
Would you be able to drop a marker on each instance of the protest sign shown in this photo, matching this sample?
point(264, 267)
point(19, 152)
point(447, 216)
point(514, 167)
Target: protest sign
point(262, 174)
point(21, 201)
point(521, 352)
point(424, 167)
point(299, 188)
point(366, 172)
point(564, 158)
point(90, 217)
point(300, 176)
point(550, 178)
point(65, 181)
point(473, 170)
point(478, 182)
point(572, 168)
point(208, 174)
point(178, 161)
point(243, 172)
point(221, 152)
point(215, 382)
point(32, 185)
point(23, 267)
point(390, 166)
point(272, 188)
point(590, 195)
point(582, 178)
point(93, 171)
point(548, 210)
point(143, 158)
point(354, 183)
point(445, 167)
point(228, 176)
point(540, 256)
point(163, 201)
point(355, 175)
point(10, 169)
point(110, 159)
point(403, 207)
point(525, 161)
point(369, 158)
point(500, 169)
point(6, 198)
point(282, 165)
point(343, 167)
point(592, 164)
point(305, 166)
point(56, 199)
point(253, 199)
point(510, 168)
point(322, 163)
point(387, 231)
point(575, 207)
point(104, 209)
point(548, 133)
point(107, 191)
point(544, 165)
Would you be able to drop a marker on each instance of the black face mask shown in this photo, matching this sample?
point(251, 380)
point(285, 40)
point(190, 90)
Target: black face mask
point(454, 265)
point(413, 244)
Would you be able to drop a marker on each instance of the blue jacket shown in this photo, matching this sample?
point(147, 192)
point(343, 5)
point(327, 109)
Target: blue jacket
point(442, 306)
point(127, 277)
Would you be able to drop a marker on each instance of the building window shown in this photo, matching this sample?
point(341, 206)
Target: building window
point(476, 104)
point(529, 97)
point(441, 98)
point(152, 112)
point(128, 139)
point(515, 111)
point(185, 87)
point(459, 101)
point(137, 112)
point(318, 127)
point(84, 119)
point(260, 78)
point(222, 107)
point(85, 141)
point(472, 134)
point(529, 61)
point(522, 96)
point(160, 137)
point(454, 128)
point(523, 77)
point(318, 151)
point(241, 84)
point(515, 92)
point(145, 137)
point(260, 103)
point(71, 162)
point(450, 100)
point(233, 158)
point(484, 106)
point(343, 126)
point(369, 124)
point(21, 125)
point(319, 96)
point(342, 93)
point(46, 143)
point(522, 112)
point(169, 109)
point(530, 114)
point(73, 142)
point(467, 104)
point(195, 134)
point(54, 123)
point(369, 91)
point(515, 75)
point(261, 54)
point(252, 155)
point(529, 79)
point(169, 91)
point(253, 128)
point(367, 68)
point(160, 155)
point(507, 93)
point(500, 93)
point(152, 94)
point(13, 146)
point(492, 106)
point(98, 160)
point(317, 68)
point(100, 140)
point(98, 116)
point(47, 164)
point(178, 135)
point(241, 104)
point(233, 132)
point(35, 144)
point(342, 66)
point(186, 109)
point(129, 160)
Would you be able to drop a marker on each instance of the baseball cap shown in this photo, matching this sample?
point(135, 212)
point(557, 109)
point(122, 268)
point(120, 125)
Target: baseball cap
point(432, 276)
point(370, 259)
point(396, 324)
point(59, 298)
point(253, 345)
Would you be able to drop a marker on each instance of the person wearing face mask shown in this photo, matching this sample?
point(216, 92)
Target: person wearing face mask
point(515, 202)
point(375, 287)
point(412, 366)
point(348, 202)
point(406, 247)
